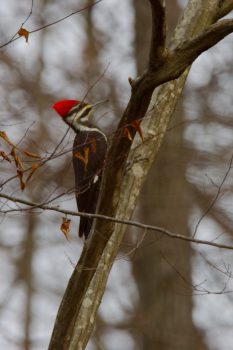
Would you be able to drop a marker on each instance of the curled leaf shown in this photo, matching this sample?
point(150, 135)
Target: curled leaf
point(136, 125)
point(32, 155)
point(65, 227)
point(24, 32)
point(20, 175)
point(4, 136)
point(18, 162)
point(5, 156)
point(126, 133)
point(32, 171)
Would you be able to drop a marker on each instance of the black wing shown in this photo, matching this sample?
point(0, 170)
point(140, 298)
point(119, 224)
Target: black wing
point(88, 173)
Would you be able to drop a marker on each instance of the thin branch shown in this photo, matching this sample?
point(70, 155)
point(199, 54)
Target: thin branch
point(49, 24)
point(108, 218)
point(42, 162)
point(29, 15)
point(13, 38)
point(65, 17)
point(96, 81)
point(215, 197)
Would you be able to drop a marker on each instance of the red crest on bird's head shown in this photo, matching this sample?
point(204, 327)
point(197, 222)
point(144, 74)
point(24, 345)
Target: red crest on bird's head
point(63, 107)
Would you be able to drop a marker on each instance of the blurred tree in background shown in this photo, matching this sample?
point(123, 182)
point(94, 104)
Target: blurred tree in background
point(162, 293)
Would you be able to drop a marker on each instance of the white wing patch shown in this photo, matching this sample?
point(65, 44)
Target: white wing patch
point(96, 178)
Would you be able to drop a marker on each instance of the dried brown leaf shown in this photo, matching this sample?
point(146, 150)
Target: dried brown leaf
point(136, 125)
point(32, 155)
point(18, 162)
point(20, 175)
point(4, 136)
point(5, 156)
point(65, 227)
point(24, 32)
point(32, 171)
point(126, 133)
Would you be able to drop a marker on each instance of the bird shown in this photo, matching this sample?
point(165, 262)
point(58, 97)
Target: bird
point(89, 153)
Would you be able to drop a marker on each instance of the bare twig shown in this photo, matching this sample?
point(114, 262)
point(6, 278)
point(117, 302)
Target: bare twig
point(13, 38)
point(65, 17)
point(29, 15)
point(215, 197)
point(104, 217)
point(96, 81)
point(49, 24)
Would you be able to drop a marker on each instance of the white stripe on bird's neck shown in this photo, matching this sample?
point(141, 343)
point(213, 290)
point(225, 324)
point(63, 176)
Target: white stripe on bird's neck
point(79, 123)
point(82, 127)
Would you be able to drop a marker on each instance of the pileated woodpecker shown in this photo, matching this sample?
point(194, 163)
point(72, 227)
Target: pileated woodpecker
point(89, 151)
